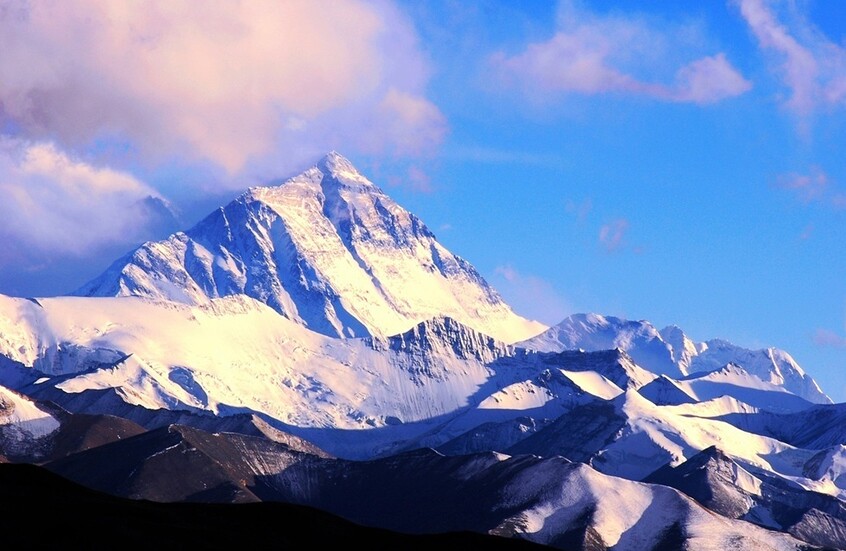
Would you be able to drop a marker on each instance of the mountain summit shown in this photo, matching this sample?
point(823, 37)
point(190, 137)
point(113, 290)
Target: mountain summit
point(327, 249)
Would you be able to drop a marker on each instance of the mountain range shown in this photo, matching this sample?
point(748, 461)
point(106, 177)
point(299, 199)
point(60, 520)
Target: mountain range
point(313, 343)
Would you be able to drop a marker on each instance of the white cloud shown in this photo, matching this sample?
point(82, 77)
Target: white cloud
point(810, 65)
point(54, 203)
point(592, 54)
point(530, 295)
point(226, 81)
point(612, 235)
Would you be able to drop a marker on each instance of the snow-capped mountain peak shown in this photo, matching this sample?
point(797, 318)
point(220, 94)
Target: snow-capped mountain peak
point(672, 353)
point(342, 170)
point(443, 335)
point(327, 249)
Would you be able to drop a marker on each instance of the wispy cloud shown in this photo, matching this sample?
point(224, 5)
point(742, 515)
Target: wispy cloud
point(233, 83)
point(581, 210)
point(531, 296)
point(591, 54)
point(52, 202)
point(403, 173)
point(828, 338)
point(806, 187)
point(813, 187)
point(612, 235)
point(810, 65)
point(419, 180)
point(807, 232)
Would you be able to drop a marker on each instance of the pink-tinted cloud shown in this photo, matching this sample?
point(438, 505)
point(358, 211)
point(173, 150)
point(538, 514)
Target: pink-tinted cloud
point(596, 55)
point(419, 180)
point(708, 80)
point(828, 338)
point(811, 66)
point(612, 235)
point(226, 81)
point(580, 210)
point(52, 202)
point(813, 187)
point(806, 187)
point(807, 232)
point(530, 295)
point(400, 111)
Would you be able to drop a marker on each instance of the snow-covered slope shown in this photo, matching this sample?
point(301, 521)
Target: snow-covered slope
point(733, 380)
point(357, 398)
point(608, 512)
point(670, 352)
point(716, 481)
point(24, 427)
point(327, 249)
point(818, 427)
point(235, 355)
point(631, 437)
point(31, 431)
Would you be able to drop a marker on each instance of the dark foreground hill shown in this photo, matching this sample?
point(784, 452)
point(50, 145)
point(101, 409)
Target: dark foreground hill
point(57, 512)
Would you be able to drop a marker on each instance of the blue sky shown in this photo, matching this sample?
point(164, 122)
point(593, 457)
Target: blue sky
point(677, 162)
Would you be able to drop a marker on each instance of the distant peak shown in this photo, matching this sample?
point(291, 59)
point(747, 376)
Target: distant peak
point(672, 330)
point(709, 453)
point(585, 319)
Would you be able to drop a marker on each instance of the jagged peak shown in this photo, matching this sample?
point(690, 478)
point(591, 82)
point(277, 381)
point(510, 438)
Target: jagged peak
point(464, 341)
point(664, 380)
point(730, 368)
point(711, 453)
point(711, 457)
point(587, 320)
point(599, 320)
point(673, 332)
point(665, 391)
point(441, 325)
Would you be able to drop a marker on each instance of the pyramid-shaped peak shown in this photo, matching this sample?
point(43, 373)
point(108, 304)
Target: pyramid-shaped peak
point(329, 176)
point(326, 248)
point(336, 165)
point(335, 159)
